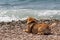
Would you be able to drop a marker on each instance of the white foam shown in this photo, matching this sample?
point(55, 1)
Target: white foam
point(22, 14)
point(8, 19)
point(24, 18)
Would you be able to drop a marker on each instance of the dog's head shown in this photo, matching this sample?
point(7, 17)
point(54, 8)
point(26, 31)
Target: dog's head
point(30, 20)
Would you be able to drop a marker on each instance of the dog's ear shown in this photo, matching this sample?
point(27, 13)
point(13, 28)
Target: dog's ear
point(30, 19)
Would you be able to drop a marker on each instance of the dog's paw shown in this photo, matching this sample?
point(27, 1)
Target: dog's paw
point(26, 30)
point(40, 33)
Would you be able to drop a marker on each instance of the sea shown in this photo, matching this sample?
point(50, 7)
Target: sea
point(21, 9)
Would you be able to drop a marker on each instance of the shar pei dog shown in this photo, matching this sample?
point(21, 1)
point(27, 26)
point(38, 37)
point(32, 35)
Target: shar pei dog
point(36, 28)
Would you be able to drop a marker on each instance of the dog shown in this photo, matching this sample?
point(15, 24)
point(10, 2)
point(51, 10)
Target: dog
point(36, 28)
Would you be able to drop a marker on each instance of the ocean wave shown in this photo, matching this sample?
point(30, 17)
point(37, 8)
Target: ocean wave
point(15, 14)
point(32, 4)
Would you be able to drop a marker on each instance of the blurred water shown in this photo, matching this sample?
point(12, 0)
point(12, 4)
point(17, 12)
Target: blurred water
point(19, 9)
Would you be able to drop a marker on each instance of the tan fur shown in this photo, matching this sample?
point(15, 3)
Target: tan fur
point(30, 19)
point(39, 28)
point(36, 28)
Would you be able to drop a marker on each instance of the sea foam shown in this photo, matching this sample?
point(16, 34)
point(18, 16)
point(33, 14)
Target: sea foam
point(22, 14)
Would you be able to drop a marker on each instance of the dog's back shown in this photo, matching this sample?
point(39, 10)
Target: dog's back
point(38, 28)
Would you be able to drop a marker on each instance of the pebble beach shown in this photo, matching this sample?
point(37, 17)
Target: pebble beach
point(14, 31)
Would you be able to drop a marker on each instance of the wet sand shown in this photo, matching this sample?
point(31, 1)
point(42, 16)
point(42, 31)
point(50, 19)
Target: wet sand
point(13, 31)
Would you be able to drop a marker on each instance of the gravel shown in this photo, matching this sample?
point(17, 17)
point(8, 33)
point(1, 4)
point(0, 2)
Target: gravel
point(13, 31)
